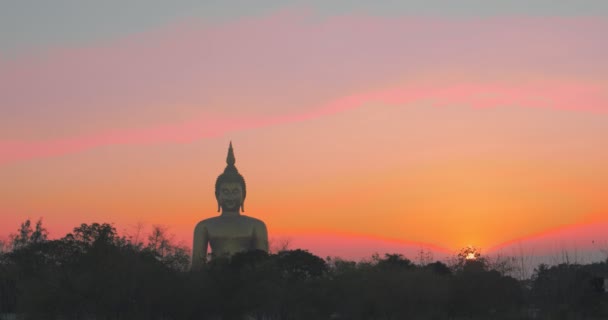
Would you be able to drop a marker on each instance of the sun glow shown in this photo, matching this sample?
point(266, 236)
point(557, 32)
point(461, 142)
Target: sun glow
point(469, 253)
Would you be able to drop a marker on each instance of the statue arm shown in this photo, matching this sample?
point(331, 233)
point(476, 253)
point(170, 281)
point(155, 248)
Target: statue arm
point(261, 237)
point(199, 246)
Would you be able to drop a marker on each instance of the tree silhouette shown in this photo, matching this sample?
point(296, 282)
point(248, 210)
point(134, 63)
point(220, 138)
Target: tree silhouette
point(94, 272)
point(26, 235)
point(163, 247)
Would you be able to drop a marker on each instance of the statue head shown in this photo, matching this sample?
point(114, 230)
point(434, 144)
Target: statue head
point(230, 188)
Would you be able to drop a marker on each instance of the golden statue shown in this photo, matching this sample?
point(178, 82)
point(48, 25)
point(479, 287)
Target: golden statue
point(231, 232)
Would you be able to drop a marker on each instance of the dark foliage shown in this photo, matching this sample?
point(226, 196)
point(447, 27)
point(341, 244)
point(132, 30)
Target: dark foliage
point(93, 273)
point(569, 290)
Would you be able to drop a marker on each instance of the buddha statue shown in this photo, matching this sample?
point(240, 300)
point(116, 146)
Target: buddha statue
point(231, 231)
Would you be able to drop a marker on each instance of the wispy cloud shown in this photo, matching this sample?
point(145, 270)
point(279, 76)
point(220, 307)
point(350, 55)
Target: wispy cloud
point(195, 80)
point(564, 95)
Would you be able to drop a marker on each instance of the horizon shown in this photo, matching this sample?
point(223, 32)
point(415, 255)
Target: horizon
point(556, 247)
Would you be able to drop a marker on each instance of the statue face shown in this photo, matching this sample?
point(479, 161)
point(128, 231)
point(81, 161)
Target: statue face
point(231, 196)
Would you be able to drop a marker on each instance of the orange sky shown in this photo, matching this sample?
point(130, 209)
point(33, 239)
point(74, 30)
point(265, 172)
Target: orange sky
point(477, 131)
point(485, 178)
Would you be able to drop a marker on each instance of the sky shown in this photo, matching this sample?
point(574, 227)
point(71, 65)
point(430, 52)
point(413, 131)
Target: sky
point(359, 127)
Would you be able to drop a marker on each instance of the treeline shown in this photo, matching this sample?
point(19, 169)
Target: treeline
point(94, 273)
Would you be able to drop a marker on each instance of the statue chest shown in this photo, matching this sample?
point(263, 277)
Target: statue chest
point(230, 229)
point(229, 238)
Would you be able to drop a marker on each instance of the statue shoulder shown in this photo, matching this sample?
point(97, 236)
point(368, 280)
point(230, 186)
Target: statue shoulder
point(254, 221)
point(205, 223)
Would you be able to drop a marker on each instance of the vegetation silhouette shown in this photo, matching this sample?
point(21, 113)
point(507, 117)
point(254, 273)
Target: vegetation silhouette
point(95, 273)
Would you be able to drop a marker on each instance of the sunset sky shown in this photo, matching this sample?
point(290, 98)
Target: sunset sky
point(358, 127)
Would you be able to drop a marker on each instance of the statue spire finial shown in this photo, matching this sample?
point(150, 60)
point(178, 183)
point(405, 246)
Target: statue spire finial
point(231, 174)
point(230, 158)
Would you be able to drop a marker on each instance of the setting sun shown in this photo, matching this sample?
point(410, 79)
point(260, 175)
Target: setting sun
point(469, 253)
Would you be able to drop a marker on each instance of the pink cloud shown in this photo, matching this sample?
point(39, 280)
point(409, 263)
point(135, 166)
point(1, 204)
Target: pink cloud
point(356, 247)
point(556, 95)
point(577, 243)
point(195, 80)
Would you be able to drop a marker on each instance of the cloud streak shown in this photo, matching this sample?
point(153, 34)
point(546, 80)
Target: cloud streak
point(570, 96)
point(195, 80)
